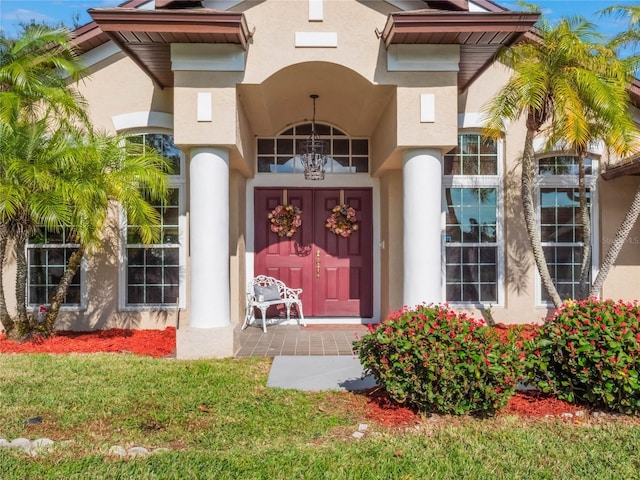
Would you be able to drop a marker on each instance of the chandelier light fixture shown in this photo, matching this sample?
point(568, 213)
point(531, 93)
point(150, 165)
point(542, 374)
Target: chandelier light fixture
point(312, 150)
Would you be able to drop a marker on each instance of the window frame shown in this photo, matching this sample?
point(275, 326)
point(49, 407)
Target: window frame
point(67, 307)
point(290, 134)
point(175, 182)
point(477, 181)
point(567, 181)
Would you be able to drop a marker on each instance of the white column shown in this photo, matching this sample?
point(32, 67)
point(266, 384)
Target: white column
point(209, 237)
point(422, 198)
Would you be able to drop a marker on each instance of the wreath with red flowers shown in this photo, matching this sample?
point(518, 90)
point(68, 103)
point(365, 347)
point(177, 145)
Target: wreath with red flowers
point(342, 220)
point(285, 220)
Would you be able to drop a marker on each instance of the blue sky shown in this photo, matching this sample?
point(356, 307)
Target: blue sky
point(12, 12)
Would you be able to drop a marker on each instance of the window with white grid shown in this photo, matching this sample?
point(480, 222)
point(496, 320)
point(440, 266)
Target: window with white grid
point(472, 228)
point(153, 275)
point(48, 253)
point(559, 219)
point(281, 154)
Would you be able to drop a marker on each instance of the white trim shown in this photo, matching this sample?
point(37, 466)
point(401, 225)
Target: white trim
point(337, 180)
point(221, 4)
point(476, 8)
point(427, 108)
point(407, 5)
point(423, 58)
point(471, 120)
point(150, 5)
point(315, 10)
point(144, 119)
point(207, 57)
point(204, 107)
point(316, 39)
point(98, 54)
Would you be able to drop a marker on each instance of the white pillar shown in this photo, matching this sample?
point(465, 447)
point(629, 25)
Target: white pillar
point(209, 237)
point(422, 198)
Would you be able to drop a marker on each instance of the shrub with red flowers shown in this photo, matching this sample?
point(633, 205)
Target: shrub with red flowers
point(589, 353)
point(439, 361)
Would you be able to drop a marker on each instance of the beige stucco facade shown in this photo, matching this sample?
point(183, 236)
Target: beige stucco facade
point(359, 94)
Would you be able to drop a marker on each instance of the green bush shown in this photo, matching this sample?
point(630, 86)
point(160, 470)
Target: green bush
point(588, 353)
point(439, 361)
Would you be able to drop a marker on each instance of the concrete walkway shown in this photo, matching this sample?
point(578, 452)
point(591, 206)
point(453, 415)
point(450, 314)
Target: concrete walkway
point(314, 373)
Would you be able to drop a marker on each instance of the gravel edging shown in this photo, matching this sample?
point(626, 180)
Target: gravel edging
point(40, 445)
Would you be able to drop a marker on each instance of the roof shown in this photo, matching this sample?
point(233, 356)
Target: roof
point(146, 35)
point(479, 34)
point(629, 167)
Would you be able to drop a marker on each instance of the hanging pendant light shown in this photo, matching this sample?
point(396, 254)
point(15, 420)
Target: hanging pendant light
point(313, 150)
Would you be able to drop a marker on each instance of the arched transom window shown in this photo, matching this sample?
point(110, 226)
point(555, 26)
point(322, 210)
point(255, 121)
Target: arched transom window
point(281, 154)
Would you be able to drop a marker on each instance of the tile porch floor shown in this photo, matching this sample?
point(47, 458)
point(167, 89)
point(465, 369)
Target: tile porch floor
point(297, 340)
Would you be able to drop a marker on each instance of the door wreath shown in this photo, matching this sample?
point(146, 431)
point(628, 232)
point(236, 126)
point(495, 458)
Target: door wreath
point(342, 220)
point(285, 220)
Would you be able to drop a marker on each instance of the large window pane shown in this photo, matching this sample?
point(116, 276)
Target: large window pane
point(560, 225)
point(153, 271)
point(46, 265)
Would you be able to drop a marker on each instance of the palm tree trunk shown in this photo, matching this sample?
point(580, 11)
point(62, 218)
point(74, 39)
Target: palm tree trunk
point(61, 290)
point(21, 283)
point(528, 207)
point(5, 319)
point(585, 220)
point(618, 242)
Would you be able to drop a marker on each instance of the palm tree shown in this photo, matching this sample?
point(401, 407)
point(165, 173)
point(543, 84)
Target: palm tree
point(35, 70)
point(612, 126)
point(631, 37)
point(561, 81)
point(98, 170)
point(55, 172)
point(35, 100)
point(30, 195)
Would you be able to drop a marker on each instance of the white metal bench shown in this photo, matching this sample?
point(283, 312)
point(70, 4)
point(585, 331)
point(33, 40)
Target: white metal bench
point(263, 292)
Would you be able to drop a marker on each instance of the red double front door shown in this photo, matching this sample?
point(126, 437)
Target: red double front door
point(335, 273)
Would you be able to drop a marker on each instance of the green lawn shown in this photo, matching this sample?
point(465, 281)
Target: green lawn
point(90, 402)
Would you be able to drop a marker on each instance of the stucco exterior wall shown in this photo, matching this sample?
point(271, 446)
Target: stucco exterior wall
point(120, 87)
point(623, 280)
point(391, 220)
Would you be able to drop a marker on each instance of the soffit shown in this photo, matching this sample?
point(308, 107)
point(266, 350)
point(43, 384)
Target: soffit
point(630, 166)
point(146, 35)
point(479, 34)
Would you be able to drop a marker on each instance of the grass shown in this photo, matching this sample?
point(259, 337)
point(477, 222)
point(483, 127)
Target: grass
point(219, 421)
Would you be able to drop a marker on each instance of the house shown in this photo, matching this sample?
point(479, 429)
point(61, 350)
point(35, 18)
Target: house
point(231, 90)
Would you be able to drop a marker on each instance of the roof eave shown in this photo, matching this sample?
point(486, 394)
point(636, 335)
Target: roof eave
point(431, 22)
point(628, 167)
point(172, 21)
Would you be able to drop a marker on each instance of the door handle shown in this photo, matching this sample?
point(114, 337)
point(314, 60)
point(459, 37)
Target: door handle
point(317, 264)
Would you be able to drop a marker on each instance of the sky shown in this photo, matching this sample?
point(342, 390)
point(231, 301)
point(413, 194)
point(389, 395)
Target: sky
point(74, 12)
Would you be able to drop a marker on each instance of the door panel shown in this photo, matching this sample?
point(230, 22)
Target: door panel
point(335, 273)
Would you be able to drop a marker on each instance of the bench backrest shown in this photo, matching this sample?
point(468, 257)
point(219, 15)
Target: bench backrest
point(265, 281)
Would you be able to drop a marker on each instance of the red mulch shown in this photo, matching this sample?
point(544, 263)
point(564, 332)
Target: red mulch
point(531, 404)
point(155, 343)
